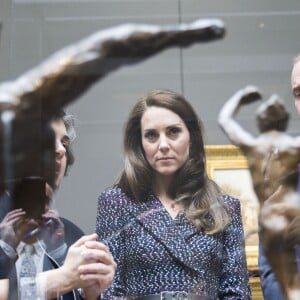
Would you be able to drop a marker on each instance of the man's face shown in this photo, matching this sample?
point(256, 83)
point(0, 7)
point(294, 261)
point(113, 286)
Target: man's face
point(295, 82)
point(61, 142)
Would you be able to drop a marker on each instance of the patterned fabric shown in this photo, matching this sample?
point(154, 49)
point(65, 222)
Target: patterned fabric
point(28, 268)
point(27, 275)
point(156, 253)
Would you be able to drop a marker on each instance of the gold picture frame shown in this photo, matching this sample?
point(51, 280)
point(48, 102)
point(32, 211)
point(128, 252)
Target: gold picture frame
point(227, 165)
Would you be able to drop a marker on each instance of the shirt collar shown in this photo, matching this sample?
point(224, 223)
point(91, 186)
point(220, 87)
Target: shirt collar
point(38, 248)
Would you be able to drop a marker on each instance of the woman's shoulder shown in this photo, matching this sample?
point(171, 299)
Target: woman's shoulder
point(233, 206)
point(114, 196)
point(231, 202)
point(112, 192)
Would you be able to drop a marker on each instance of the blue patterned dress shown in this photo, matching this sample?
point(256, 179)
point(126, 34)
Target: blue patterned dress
point(156, 253)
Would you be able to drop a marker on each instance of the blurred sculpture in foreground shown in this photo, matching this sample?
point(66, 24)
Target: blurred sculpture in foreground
point(28, 103)
point(273, 159)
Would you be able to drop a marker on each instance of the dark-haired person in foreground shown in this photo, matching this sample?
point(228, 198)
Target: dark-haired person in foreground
point(66, 263)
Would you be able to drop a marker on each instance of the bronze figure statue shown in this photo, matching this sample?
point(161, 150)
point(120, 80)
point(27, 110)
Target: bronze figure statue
point(273, 158)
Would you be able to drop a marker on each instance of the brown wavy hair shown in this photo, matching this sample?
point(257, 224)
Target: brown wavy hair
point(191, 187)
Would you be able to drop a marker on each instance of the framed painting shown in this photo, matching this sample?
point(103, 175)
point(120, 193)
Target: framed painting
point(228, 167)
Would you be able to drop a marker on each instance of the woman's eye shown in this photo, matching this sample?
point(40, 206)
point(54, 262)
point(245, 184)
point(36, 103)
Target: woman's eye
point(174, 131)
point(150, 135)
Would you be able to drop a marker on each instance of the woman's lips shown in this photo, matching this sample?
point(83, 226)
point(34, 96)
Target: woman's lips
point(165, 158)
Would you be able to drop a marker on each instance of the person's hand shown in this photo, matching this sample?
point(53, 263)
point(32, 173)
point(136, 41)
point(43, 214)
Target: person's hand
point(100, 270)
point(52, 230)
point(4, 286)
point(11, 227)
point(88, 265)
point(74, 260)
point(66, 278)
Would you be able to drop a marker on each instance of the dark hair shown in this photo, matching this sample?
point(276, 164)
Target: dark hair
point(69, 122)
point(191, 187)
point(272, 115)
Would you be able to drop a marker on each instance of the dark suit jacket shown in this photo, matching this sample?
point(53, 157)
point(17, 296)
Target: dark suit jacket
point(8, 270)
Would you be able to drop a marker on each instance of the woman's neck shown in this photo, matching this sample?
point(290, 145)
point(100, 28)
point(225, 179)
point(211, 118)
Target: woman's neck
point(161, 185)
point(160, 189)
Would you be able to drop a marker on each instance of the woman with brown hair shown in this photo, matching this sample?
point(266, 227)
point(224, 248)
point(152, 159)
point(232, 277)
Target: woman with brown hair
point(171, 231)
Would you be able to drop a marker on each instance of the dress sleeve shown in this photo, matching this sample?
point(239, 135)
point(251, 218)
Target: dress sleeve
point(111, 213)
point(110, 225)
point(234, 281)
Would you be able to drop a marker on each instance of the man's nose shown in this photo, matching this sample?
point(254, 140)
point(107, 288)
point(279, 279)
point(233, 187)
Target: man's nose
point(60, 150)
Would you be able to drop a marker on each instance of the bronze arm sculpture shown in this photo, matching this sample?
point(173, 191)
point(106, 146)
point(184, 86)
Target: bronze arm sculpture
point(273, 158)
point(28, 103)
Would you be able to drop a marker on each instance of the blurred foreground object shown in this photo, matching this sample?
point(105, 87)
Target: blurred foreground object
point(273, 159)
point(28, 103)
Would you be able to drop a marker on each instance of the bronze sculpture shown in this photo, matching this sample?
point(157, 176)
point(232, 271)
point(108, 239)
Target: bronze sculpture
point(273, 159)
point(27, 103)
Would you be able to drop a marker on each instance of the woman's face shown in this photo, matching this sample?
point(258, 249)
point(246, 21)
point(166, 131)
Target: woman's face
point(165, 140)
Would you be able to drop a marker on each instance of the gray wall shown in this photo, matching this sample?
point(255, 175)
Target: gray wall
point(262, 38)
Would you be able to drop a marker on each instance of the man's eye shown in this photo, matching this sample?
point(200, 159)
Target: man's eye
point(65, 143)
point(297, 94)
